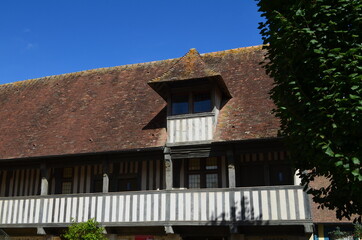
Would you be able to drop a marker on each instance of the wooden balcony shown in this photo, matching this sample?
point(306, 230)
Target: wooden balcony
point(190, 128)
point(254, 205)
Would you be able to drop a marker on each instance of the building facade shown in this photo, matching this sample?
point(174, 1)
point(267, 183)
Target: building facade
point(183, 148)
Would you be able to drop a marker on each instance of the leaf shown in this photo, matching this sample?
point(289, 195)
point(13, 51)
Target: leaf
point(356, 161)
point(355, 172)
point(339, 163)
point(354, 96)
point(354, 87)
point(329, 152)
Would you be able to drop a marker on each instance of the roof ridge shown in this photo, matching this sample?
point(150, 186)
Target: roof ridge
point(57, 76)
point(256, 47)
point(88, 71)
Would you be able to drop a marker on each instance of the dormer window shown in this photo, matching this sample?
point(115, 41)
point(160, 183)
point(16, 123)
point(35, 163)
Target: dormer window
point(195, 94)
point(194, 102)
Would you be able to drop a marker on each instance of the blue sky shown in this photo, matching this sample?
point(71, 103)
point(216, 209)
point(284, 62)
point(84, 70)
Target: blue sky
point(49, 37)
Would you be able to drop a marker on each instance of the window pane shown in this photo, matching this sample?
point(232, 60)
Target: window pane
point(211, 163)
point(202, 102)
point(67, 187)
point(180, 105)
point(194, 181)
point(211, 180)
point(194, 164)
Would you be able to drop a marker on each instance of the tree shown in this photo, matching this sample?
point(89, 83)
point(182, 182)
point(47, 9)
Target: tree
point(89, 230)
point(314, 54)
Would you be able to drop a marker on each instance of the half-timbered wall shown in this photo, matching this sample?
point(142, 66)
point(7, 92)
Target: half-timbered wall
point(26, 182)
point(152, 175)
point(148, 172)
point(82, 178)
point(19, 182)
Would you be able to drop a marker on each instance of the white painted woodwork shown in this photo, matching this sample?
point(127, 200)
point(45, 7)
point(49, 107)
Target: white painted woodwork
point(191, 128)
point(287, 203)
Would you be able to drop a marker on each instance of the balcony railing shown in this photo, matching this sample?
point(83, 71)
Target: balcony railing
point(270, 205)
point(190, 127)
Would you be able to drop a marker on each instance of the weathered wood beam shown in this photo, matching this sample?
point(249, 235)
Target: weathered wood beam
point(44, 187)
point(105, 188)
point(231, 168)
point(169, 229)
point(40, 231)
point(168, 168)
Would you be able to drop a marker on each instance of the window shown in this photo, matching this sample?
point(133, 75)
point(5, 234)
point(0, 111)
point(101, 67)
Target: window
point(203, 173)
point(194, 102)
point(180, 104)
point(201, 102)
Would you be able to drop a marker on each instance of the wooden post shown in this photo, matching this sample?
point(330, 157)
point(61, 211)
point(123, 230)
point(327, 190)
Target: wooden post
point(297, 179)
point(44, 180)
point(231, 167)
point(168, 169)
point(105, 188)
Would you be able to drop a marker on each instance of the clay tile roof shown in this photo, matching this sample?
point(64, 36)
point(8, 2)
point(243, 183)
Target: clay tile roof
point(112, 109)
point(190, 66)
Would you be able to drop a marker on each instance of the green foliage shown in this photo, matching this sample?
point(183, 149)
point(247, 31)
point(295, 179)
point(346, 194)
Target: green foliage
point(89, 230)
point(338, 234)
point(314, 54)
point(358, 230)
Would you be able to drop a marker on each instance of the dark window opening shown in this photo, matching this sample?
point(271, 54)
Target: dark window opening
point(98, 184)
point(264, 174)
point(124, 182)
point(128, 184)
point(280, 174)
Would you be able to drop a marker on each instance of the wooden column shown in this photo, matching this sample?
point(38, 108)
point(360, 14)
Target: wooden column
point(44, 187)
point(168, 169)
point(231, 168)
point(297, 179)
point(105, 188)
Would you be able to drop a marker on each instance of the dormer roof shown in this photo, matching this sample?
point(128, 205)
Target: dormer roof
point(190, 67)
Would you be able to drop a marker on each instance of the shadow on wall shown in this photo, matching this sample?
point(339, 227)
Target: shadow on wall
point(241, 213)
point(159, 121)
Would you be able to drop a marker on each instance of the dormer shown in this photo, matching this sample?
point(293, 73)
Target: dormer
point(194, 93)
